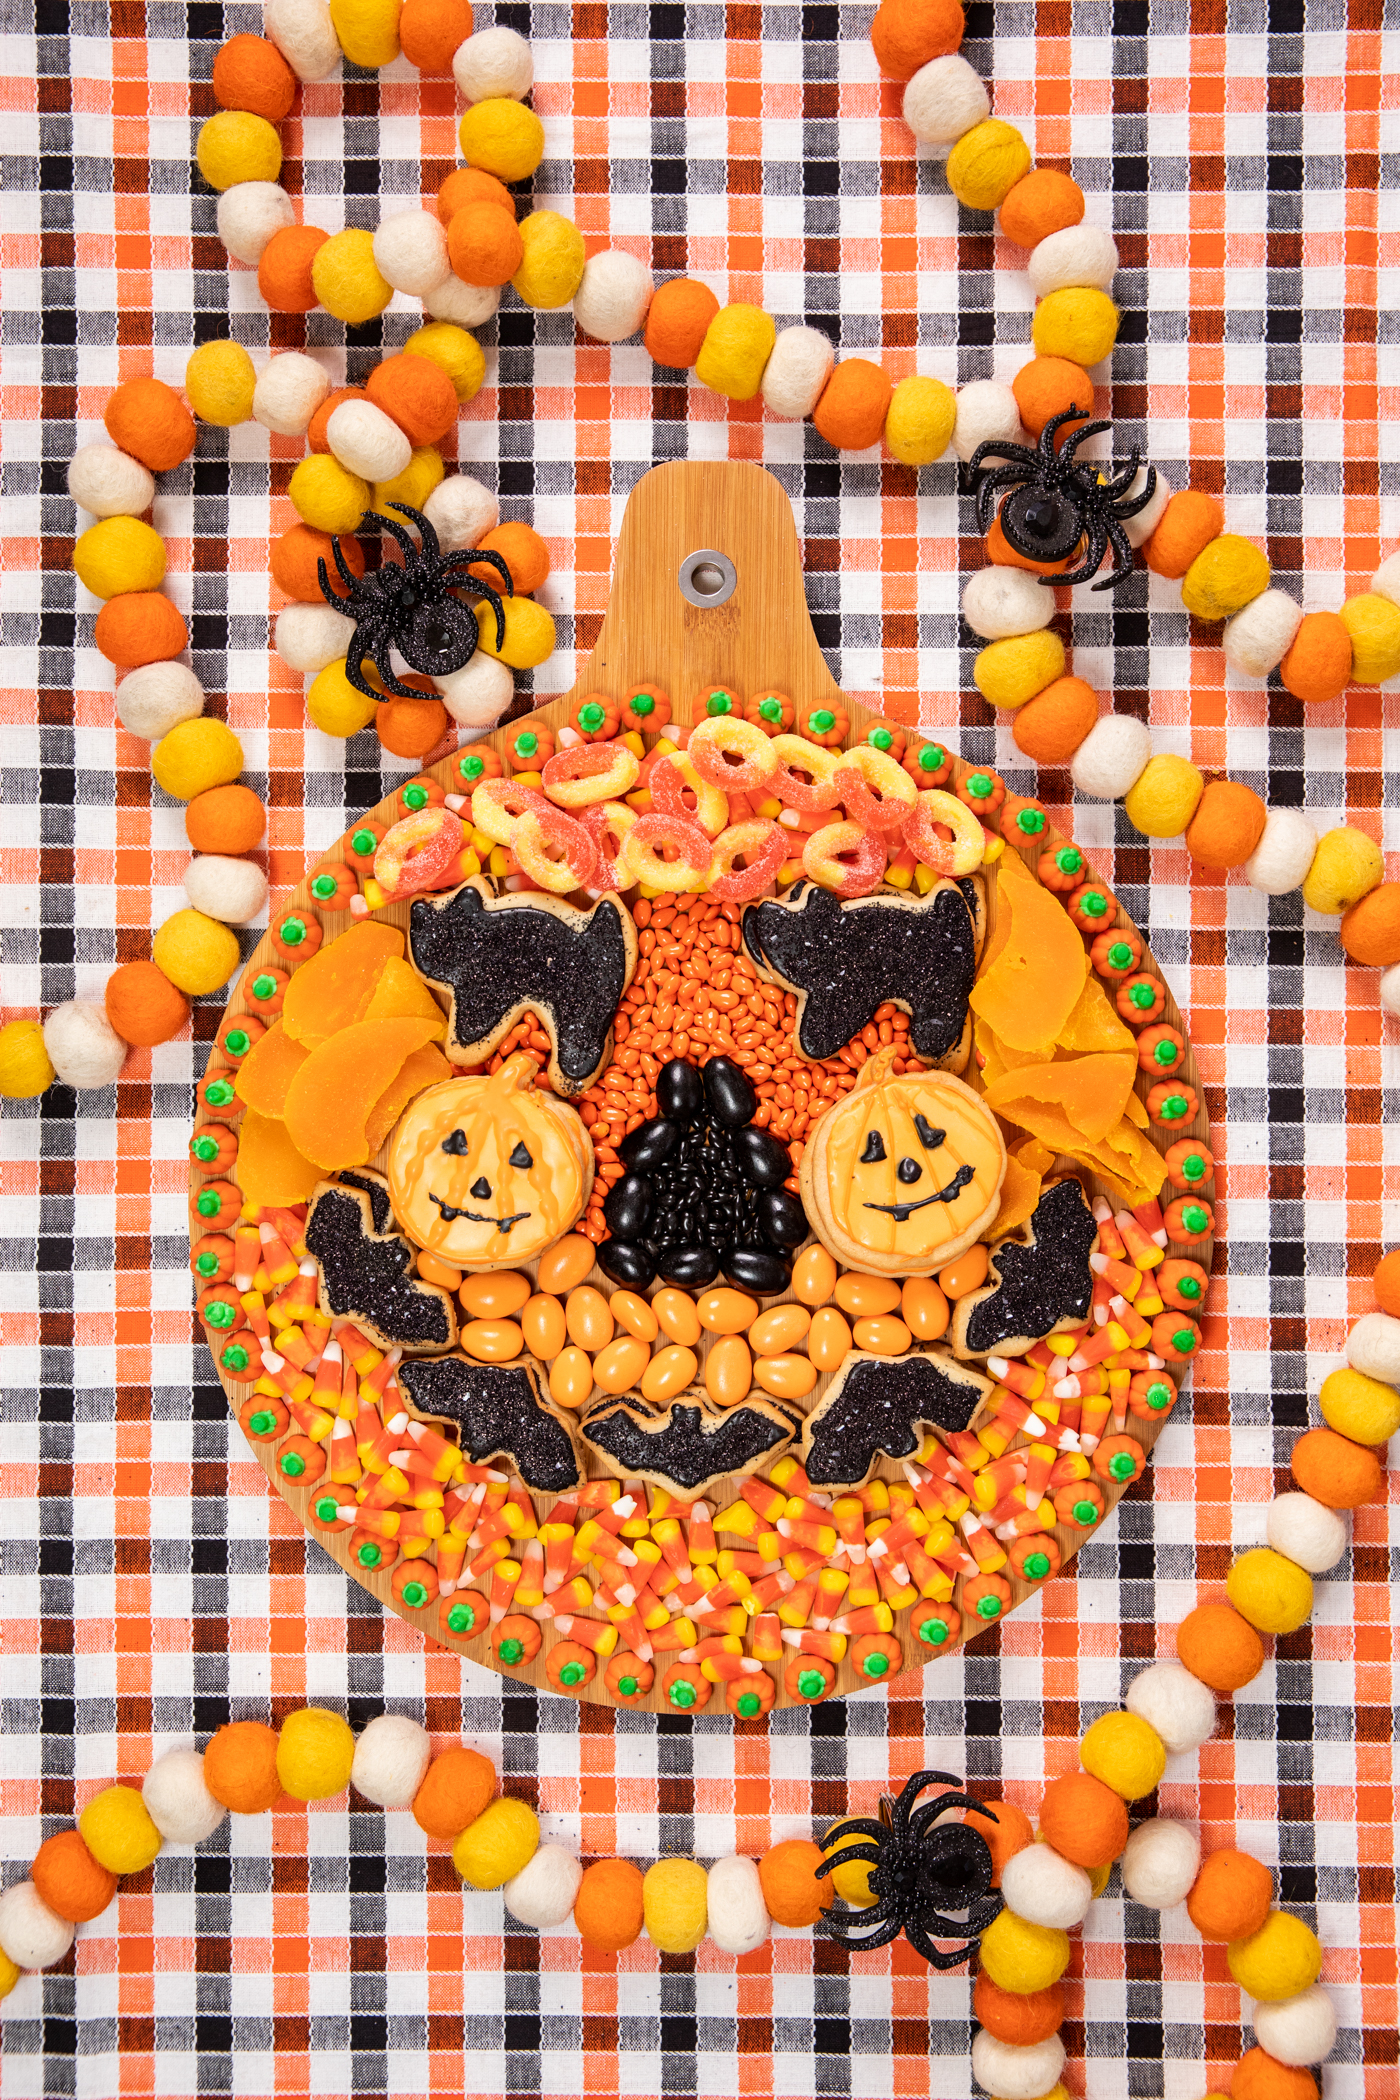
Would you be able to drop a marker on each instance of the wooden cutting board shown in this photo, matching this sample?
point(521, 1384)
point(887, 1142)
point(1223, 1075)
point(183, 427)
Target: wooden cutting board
point(733, 523)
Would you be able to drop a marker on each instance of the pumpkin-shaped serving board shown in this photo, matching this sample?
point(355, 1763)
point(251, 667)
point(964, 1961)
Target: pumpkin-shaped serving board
point(742, 622)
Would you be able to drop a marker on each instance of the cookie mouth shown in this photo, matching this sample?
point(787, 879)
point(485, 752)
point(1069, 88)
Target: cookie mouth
point(450, 1215)
point(902, 1211)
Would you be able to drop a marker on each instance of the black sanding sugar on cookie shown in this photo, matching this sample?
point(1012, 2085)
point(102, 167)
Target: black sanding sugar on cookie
point(845, 959)
point(1035, 1283)
point(502, 1411)
point(376, 1188)
point(878, 1404)
point(687, 1443)
point(368, 1277)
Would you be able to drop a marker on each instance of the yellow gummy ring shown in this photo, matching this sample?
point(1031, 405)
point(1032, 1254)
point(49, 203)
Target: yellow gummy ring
point(956, 856)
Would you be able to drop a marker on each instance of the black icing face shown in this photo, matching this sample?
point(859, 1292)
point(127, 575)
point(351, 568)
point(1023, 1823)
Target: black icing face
point(880, 1146)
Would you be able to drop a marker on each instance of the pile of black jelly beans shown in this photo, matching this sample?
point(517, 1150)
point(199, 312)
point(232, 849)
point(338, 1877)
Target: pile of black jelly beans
point(703, 1191)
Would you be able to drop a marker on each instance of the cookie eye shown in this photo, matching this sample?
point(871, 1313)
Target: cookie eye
point(874, 1149)
point(520, 1157)
point(456, 1143)
point(908, 1170)
point(928, 1136)
point(481, 1188)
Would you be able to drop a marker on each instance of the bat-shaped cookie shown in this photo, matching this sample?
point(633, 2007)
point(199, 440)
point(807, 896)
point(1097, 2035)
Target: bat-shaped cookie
point(366, 1275)
point(503, 1411)
point(879, 1404)
point(1038, 1279)
point(686, 1445)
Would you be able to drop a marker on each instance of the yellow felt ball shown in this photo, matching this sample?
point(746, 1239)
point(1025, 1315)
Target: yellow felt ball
point(416, 483)
point(235, 146)
point(987, 163)
point(1374, 626)
point(1098, 1877)
point(1282, 1958)
point(315, 1750)
point(1362, 1408)
point(1079, 323)
point(1022, 1957)
point(554, 258)
point(851, 1881)
point(118, 1832)
point(529, 635)
point(453, 351)
point(1271, 1591)
point(1014, 670)
point(507, 140)
point(118, 555)
point(675, 1905)
point(1345, 868)
point(345, 278)
point(1226, 575)
point(197, 953)
point(738, 344)
point(196, 755)
point(1125, 1752)
point(919, 422)
point(1162, 800)
point(327, 495)
point(219, 380)
point(10, 1973)
point(504, 1838)
point(24, 1062)
point(367, 30)
point(334, 705)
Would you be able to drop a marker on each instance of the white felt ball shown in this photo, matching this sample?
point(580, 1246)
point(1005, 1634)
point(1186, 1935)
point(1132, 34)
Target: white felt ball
point(944, 99)
point(1111, 757)
point(738, 1915)
point(467, 305)
point(154, 698)
point(29, 1931)
point(1284, 852)
point(494, 62)
point(1045, 1889)
point(1141, 528)
point(1176, 1704)
point(614, 294)
point(367, 442)
point(1298, 2030)
point(797, 372)
point(1000, 602)
point(1010, 2073)
point(461, 512)
point(84, 1048)
point(986, 409)
point(226, 887)
point(543, 1892)
point(411, 252)
point(1386, 581)
point(1388, 990)
point(1259, 637)
point(177, 1800)
point(1160, 1862)
point(303, 32)
point(249, 214)
point(391, 1757)
point(1076, 255)
point(289, 391)
point(1306, 1532)
point(308, 637)
point(109, 483)
point(478, 695)
point(1373, 1346)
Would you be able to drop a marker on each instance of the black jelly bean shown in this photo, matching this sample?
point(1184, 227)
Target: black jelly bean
point(753, 1269)
point(649, 1144)
point(627, 1262)
point(762, 1158)
point(782, 1217)
point(730, 1091)
point(693, 1267)
point(628, 1206)
point(680, 1091)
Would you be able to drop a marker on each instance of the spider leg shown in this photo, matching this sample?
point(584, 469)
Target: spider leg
point(996, 478)
point(405, 540)
point(863, 1853)
point(1122, 555)
point(392, 683)
point(931, 1810)
point(1129, 508)
point(1047, 452)
point(982, 1913)
point(889, 1929)
point(953, 1958)
point(1076, 438)
point(485, 591)
point(354, 671)
point(1122, 478)
point(1094, 554)
point(431, 547)
point(858, 1826)
point(492, 560)
point(995, 447)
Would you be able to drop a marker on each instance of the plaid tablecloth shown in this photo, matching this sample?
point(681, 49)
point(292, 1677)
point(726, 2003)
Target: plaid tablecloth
point(152, 1587)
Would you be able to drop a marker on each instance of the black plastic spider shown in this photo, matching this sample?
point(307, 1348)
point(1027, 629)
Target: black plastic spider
point(410, 606)
point(922, 1870)
point(1059, 500)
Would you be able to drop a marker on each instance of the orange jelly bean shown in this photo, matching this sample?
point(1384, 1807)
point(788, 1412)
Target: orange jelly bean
point(724, 1311)
point(779, 1329)
point(497, 1296)
point(589, 1322)
point(492, 1341)
point(924, 1309)
point(865, 1297)
point(882, 1336)
point(621, 1364)
point(785, 1377)
point(441, 1273)
point(729, 1370)
point(544, 1327)
point(635, 1315)
point(829, 1339)
point(570, 1378)
point(813, 1276)
point(670, 1371)
point(566, 1264)
point(965, 1274)
point(676, 1312)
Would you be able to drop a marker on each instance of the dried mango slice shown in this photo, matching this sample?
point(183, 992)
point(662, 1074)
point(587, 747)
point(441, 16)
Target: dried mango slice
point(1020, 1193)
point(333, 989)
point(333, 1097)
point(1036, 974)
point(1092, 1091)
point(1124, 1160)
point(1093, 1025)
point(423, 1069)
point(268, 1070)
point(401, 995)
point(269, 1168)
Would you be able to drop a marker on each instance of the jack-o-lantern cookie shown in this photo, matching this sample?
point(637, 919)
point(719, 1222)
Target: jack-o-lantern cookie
point(905, 1173)
point(487, 1172)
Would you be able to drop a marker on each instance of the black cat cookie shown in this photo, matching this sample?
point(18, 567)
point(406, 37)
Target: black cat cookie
point(879, 1405)
point(688, 1445)
point(502, 1411)
point(1038, 1279)
point(366, 1271)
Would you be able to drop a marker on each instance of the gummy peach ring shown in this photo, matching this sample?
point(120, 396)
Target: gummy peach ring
point(668, 780)
point(498, 806)
point(736, 755)
point(606, 823)
point(957, 855)
point(417, 850)
point(590, 773)
point(642, 858)
point(875, 790)
point(822, 862)
point(797, 756)
point(764, 845)
point(538, 831)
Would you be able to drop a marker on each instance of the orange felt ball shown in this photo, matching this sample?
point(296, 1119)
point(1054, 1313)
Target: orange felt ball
point(457, 1787)
point(1011, 1832)
point(1230, 1897)
point(608, 1906)
point(485, 244)
point(1227, 826)
point(1041, 203)
point(410, 728)
point(1047, 386)
point(1219, 1647)
point(465, 186)
point(70, 1880)
point(678, 320)
point(855, 401)
point(1001, 551)
point(1022, 2020)
point(906, 34)
point(1084, 1820)
point(139, 627)
point(251, 73)
point(523, 552)
point(1259, 2076)
point(1386, 1283)
point(294, 559)
point(284, 272)
point(1186, 527)
point(1370, 931)
point(225, 820)
point(143, 1005)
point(791, 1890)
point(417, 394)
point(431, 30)
point(148, 419)
point(317, 429)
point(1317, 665)
point(240, 1767)
point(1335, 1471)
point(1051, 728)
